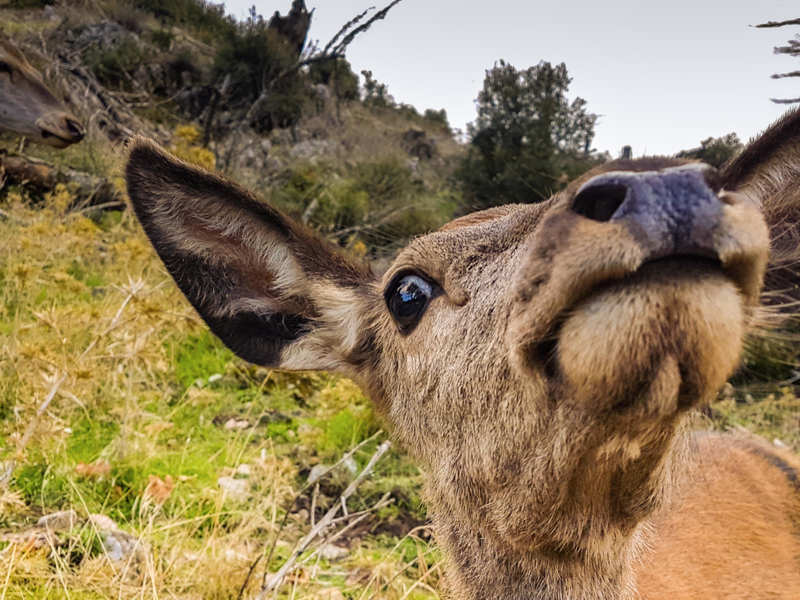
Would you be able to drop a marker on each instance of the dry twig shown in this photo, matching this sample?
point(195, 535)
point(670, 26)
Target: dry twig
point(325, 522)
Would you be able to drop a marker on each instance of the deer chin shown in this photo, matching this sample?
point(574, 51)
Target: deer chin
point(656, 342)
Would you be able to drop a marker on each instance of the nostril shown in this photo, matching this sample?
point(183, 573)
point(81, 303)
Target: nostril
point(599, 202)
point(75, 129)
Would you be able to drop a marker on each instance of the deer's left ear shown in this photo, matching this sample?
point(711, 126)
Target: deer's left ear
point(768, 173)
point(272, 291)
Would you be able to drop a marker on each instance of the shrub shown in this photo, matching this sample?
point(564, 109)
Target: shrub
point(111, 64)
point(129, 17)
point(438, 117)
point(162, 38)
point(27, 4)
point(338, 76)
point(186, 138)
point(254, 56)
point(206, 17)
point(374, 93)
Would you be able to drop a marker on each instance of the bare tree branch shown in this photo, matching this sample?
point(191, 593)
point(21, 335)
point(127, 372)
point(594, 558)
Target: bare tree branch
point(323, 523)
point(793, 49)
point(351, 23)
point(778, 23)
point(782, 75)
point(341, 47)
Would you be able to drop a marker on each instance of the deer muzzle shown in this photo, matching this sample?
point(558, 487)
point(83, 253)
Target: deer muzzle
point(636, 270)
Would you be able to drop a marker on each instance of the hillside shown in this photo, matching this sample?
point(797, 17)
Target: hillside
point(140, 457)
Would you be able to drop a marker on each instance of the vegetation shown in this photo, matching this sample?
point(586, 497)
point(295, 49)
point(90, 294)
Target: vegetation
point(116, 402)
point(715, 151)
point(528, 141)
point(148, 395)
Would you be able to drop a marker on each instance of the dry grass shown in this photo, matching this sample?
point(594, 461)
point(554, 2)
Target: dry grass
point(115, 401)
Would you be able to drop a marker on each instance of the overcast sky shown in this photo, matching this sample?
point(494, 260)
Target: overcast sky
point(662, 76)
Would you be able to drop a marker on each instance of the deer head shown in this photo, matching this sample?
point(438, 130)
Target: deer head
point(26, 105)
point(539, 360)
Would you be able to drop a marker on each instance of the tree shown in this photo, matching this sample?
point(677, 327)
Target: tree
point(528, 140)
point(715, 151)
point(793, 49)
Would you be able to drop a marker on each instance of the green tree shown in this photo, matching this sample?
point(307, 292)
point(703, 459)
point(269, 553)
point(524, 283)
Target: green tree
point(528, 140)
point(715, 151)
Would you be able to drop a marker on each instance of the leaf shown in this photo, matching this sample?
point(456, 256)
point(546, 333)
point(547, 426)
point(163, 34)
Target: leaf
point(159, 489)
point(97, 469)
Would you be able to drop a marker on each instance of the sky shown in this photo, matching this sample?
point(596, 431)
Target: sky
point(662, 76)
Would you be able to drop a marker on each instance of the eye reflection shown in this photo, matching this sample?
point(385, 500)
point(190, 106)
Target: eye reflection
point(408, 300)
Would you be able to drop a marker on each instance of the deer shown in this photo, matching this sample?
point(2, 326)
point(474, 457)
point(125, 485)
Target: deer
point(541, 361)
point(27, 107)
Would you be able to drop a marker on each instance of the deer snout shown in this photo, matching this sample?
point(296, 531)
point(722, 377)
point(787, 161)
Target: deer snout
point(60, 130)
point(628, 256)
point(670, 212)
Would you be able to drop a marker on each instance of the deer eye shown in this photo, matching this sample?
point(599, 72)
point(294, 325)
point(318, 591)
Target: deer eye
point(407, 299)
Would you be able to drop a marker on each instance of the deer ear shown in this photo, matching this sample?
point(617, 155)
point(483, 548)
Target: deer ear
point(768, 173)
point(267, 287)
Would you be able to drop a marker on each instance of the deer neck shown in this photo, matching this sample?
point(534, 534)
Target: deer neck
point(483, 567)
point(584, 546)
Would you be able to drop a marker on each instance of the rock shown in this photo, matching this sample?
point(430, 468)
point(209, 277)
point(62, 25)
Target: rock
point(316, 472)
point(120, 546)
point(323, 92)
point(63, 520)
point(272, 165)
point(104, 35)
point(313, 149)
point(236, 489)
point(103, 523)
point(331, 552)
point(234, 423)
point(416, 143)
point(349, 463)
point(281, 137)
point(49, 13)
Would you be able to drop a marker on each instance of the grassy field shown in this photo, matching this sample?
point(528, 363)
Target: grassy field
point(116, 401)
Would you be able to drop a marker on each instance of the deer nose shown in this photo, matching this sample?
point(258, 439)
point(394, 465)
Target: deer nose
point(672, 211)
point(75, 130)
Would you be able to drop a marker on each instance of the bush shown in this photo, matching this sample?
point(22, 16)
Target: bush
point(27, 4)
point(254, 56)
point(715, 151)
point(437, 117)
point(207, 18)
point(129, 17)
point(374, 93)
point(162, 38)
point(110, 65)
point(338, 76)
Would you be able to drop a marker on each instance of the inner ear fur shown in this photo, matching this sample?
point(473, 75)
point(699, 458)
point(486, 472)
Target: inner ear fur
point(768, 173)
point(254, 275)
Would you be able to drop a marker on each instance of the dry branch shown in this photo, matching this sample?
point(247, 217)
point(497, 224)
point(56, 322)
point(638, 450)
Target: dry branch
point(778, 23)
point(326, 522)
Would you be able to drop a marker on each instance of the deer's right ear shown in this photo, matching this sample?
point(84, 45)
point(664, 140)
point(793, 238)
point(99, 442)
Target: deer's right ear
point(267, 287)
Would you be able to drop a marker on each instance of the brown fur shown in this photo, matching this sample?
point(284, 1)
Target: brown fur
point(27, 107)
point(546, 386)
